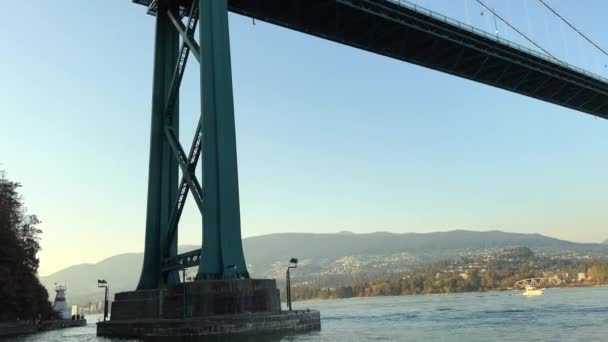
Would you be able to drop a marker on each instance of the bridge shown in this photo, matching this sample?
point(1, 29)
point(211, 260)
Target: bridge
point(538, 283)
point(393, 28)
point(407, 32)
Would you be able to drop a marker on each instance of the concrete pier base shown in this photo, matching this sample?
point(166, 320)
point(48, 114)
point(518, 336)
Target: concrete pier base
point(237, 307)
point(222, 325)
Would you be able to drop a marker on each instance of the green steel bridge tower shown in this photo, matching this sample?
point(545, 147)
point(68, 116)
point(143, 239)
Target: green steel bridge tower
point(221, 255)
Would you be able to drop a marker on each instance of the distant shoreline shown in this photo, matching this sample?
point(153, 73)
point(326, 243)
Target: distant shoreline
point(445, 294)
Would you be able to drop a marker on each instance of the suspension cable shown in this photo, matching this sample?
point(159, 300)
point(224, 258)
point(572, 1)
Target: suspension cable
point(513, 27)
point(572, 27)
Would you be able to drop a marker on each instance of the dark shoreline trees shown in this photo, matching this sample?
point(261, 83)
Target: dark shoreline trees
point(22, 296)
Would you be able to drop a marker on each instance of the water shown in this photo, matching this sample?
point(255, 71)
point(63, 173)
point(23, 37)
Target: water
point(558, 315)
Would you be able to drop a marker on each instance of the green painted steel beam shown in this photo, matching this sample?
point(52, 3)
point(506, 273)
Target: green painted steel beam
point(184, 52)
point(182, 261)
point(183, 188)
point(186, 36)
point(163, 167)
point(188, 175)
point(187, 172)
point(222, 246)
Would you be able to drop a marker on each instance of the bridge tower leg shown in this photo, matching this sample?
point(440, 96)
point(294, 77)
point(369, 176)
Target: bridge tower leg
point(163, 167)
point(222, 254)
point(223, 287)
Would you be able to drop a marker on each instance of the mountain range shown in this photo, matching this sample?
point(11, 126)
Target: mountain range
point(328, 259)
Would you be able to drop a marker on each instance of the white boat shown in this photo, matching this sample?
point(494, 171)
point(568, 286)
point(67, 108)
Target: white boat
point(532, 291)
point(536, 286)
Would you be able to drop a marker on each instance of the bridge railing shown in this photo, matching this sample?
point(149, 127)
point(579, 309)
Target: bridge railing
point(496, 38)
point(459, 24)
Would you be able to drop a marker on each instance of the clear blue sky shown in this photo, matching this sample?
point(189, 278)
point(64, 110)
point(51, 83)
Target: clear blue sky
point(329, 138)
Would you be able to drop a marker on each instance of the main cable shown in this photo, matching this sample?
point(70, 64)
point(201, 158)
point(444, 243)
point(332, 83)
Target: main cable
point(572, 27)
point(513, 27)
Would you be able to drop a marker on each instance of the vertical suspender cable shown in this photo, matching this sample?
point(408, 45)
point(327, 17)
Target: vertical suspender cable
point(572, 27)
point(513, 27)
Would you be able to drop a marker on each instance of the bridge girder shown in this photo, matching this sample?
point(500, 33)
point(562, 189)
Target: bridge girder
point(404, 31)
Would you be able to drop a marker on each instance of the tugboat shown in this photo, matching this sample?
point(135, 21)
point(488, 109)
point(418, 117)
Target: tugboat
point(68, 318)
point(59, 304)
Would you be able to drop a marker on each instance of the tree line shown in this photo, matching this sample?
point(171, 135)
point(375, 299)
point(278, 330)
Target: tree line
point(499, 273)
point(22, 296)
point(599, 273)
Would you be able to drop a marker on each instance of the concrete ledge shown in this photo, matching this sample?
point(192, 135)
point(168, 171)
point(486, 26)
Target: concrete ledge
point(8, 329)
point(190, 329)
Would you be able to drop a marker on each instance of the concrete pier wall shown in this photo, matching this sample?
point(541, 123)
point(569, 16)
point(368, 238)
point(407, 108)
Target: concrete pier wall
point(237, 307)
point(222, 325)
point(197, 299)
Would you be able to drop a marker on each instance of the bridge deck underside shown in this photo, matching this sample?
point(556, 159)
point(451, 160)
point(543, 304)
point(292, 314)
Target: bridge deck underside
point(399, 32)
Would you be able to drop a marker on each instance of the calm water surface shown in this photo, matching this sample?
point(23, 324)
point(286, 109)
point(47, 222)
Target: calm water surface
point(558, 315)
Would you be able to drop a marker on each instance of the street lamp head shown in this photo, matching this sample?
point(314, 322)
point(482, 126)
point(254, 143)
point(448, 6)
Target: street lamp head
point(294, 261)
point(101, 282)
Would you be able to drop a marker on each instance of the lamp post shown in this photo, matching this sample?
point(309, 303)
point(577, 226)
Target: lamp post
point(184, 301)
point(293, 263)
point(104, 284)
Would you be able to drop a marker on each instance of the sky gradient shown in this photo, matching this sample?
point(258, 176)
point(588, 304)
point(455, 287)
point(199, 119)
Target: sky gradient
point(329, 138)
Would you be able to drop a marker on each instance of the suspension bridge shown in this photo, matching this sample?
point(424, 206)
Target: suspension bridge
point(392, 28)
point(407, 32)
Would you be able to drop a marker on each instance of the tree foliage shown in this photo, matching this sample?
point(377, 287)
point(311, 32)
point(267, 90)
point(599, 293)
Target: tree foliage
point(599, 273)
point(21, 294)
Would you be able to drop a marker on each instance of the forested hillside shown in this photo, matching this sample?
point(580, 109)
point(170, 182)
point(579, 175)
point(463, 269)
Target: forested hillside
point(21, 294)
point(331, 260)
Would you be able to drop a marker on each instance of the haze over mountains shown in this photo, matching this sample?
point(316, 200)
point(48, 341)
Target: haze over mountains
point(328, 259)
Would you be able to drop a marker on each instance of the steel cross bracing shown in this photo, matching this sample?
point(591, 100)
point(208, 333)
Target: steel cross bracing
point(404, 31)
point(189, 182)
point(222, 254)
point(538, 282)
